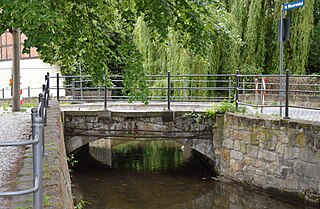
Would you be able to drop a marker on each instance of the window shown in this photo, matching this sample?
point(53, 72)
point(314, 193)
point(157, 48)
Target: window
point(6, 47)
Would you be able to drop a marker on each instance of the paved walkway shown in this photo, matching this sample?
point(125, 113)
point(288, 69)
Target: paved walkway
point(294, 113)
point(13, 127)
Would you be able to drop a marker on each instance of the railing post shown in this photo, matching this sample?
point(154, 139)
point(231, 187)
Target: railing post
point(229, 86)
point(29, 94)
point(48, 89)
point(185, 88)
point(73, 86)
point(99, 92)
point(287, 96)
point(237, 90)
point(48, 83)
point(42, 105)
point(58, 88)
point(44, 95)
point(105, 97)
point(37, 132)
point(169, 89)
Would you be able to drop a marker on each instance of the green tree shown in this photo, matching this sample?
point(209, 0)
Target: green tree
point(98, 34)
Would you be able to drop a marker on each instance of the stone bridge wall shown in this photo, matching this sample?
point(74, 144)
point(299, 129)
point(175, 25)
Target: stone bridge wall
point(275, 154)
point(81, 127)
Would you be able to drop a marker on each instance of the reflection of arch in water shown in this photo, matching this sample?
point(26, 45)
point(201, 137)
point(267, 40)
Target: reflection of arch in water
point(203, 146)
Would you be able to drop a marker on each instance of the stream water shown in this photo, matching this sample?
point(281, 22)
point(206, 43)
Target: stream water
point(160, 175)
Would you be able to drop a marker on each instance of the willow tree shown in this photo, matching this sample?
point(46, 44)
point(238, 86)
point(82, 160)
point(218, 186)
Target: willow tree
point(219, 54)
point(296, 55)
point(255, 48)
point(314, 51)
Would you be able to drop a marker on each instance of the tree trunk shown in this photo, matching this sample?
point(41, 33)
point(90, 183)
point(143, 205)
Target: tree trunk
point(16, 70)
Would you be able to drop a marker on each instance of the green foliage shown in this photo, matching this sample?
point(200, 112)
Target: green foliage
point(71, 160)
point(81, 204)
point(220, 108)
point(314, 51)
point(197, 117)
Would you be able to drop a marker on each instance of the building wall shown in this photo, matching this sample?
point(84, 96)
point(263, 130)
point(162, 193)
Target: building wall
point(32, 74)
point(6, 47)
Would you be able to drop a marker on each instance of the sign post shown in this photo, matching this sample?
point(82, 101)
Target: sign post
point(284, 7)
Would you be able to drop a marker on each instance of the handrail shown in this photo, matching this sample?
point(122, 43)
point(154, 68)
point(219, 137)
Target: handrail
point(38, 120)
point(195, 87)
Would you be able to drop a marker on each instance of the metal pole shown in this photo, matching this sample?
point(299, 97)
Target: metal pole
point(237, 90)
point(2, 93)
point(73, 86)
point(81, 93)
point(34, 113)
point(58, 87)
point(229, 85)
point(287, 96)
point(105, 97)
point(48, 83)
point(37, 131)
point(41, 106)
point(169, 89)
point(281, 57)
point(29, 93)
point(185, 88)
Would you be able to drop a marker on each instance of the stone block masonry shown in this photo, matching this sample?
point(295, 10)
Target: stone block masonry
point(56, 178)
point(274, 154)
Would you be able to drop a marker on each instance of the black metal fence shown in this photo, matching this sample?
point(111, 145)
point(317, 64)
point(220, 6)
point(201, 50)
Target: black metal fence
point(258, 91)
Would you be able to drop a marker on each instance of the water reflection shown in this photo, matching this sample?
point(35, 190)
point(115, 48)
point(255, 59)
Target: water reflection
point(158, 174)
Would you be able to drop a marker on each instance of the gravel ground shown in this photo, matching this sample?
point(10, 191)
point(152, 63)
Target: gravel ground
point(13, 127)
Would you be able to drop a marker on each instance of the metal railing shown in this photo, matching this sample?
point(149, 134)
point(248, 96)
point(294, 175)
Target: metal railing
point(198, 88)
point(266, 91)
point(38, 120)
point(167, 88)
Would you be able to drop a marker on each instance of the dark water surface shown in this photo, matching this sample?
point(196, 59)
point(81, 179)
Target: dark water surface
point(159, 175)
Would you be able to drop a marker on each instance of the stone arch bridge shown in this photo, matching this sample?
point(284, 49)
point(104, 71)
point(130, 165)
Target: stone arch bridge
point(83, 127)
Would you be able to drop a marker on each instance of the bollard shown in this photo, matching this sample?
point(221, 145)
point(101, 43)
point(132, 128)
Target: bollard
point(37, 132)
point(169, 89)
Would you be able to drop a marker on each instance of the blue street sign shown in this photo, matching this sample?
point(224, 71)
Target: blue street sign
point(293, 5)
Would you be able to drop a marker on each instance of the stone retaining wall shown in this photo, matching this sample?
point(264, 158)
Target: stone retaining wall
point(56, 177)
point(275, 154)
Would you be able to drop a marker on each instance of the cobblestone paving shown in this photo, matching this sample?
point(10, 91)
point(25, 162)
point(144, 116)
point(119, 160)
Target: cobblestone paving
point(13, 127)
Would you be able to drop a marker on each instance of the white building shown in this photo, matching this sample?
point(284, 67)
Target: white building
point(32, 70)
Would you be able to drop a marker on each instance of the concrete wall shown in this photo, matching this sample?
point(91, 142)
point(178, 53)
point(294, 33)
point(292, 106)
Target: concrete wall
point(275, 154)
